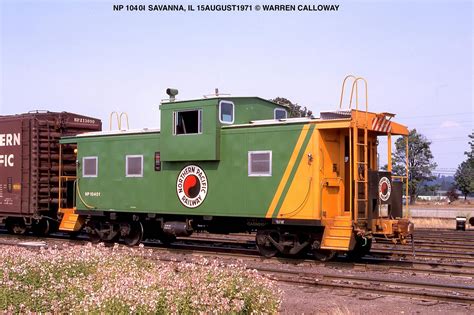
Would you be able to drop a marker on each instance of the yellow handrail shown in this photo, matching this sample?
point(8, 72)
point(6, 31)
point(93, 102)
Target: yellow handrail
point(80, 197)
point(119, 120)
point(110, 120)
point(350, 172)
point(354, 84)
point(124, 114)
point(343, 88)
point(60, 175)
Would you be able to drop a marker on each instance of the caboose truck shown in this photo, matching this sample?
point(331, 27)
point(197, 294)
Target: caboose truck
point(237, 164)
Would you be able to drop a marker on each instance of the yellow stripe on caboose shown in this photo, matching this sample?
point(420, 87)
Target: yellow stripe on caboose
point(288, 170)
point(299, 200)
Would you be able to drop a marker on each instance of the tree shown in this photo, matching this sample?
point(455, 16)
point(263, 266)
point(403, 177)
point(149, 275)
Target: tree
point(470, 155)
point(294, 109)
point(452, 194)
point(420, 162)
point(464, 176)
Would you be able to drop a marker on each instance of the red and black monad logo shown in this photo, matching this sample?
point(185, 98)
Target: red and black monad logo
point(385, 188)
point(191, 186)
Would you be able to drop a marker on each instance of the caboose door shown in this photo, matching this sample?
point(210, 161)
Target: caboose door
point(331, 173)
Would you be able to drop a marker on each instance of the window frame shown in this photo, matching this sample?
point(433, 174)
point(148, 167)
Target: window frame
point(233, 112)
point(250, 173)
point(175, 121)
point(92, 157)
point(126, 165)
point(279, 109)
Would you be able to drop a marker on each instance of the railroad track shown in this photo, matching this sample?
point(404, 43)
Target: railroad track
point(245, 244)
point(425, 290)
point(413, 289)
point(423, 253)
point(377, 249)
point(456, 246)
point(295, 270)
point(445, 235)
point(247, 249)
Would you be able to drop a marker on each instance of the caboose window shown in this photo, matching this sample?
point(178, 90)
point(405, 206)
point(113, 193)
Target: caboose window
point(134, 165)
point(89, 166)
point(226, 112)
point(280, 113)
point(187, 122)
point(260, 163)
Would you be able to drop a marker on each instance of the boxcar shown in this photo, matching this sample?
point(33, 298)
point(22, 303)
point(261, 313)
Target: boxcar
point(29, 166)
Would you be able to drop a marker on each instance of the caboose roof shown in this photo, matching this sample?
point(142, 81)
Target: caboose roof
point(73, 139)
point(380, 123)
point(219, 98)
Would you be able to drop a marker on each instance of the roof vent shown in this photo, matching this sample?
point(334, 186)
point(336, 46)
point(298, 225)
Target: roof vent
point(337, 114)
point(216, 94)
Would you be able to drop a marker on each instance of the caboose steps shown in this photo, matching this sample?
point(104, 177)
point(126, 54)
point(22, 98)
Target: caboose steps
point(342, 221)
point(337, 236)
point(339, 231)
point(70, 222)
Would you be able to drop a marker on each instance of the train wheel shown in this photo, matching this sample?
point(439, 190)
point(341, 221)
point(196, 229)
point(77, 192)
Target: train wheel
point(321, 254)
point(16, 226)
point(111, 241)
point(94, 237)
point(135, 235)
point(41, 227)
point(264, 245)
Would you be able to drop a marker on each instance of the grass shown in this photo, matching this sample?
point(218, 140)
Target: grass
point(96, 280)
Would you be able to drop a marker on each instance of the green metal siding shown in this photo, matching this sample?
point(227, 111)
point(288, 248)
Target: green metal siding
point(205, 146)
point(118, 192)
point(190, 147)
point(252, 108)
point(231, 192)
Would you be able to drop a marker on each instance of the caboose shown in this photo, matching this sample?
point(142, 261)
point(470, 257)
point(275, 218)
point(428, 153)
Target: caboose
point(227, 164)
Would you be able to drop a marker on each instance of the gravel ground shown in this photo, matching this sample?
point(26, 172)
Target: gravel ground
point(312, 300)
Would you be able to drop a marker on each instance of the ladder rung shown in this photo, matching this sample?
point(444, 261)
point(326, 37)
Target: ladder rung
point(361, 162)
point(365, 200)
point(361, 181)
point(364, 144)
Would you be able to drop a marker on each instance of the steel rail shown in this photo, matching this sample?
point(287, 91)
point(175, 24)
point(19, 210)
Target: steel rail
point(244, 251)
point(437, 296)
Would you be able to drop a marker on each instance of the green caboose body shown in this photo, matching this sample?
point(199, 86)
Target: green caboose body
point(138, 171)
point(229, 164)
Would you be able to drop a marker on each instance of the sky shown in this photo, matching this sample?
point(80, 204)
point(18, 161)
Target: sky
point(84, 57)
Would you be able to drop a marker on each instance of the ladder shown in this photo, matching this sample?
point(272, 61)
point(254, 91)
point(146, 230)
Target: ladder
point(26, 180)
point(359, 153)
point(360, 170)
